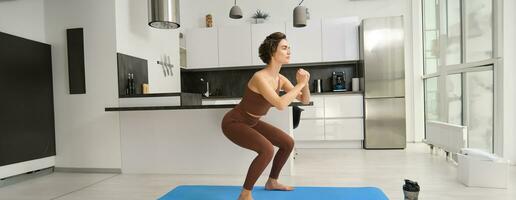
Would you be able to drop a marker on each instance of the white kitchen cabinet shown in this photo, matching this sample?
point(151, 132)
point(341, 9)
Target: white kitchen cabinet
point(312, 113)
point(334, 118)
point(202, 48)
point(258, 34)
point(340, 39)
point(327, 40)
point(343, 106)
point(305, 42)
point(344, 129)
point(316, 111)
point(235, 45)
point(310, 129)
point(220, 101)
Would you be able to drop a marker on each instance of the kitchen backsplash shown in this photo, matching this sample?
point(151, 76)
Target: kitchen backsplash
point(135, 66)
point(232, 83)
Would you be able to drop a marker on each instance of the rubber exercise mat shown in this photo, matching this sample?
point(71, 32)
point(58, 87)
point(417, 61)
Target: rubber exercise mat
point(206, 192)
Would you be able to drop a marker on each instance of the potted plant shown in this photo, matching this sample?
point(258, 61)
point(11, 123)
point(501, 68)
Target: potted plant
point(259, 16)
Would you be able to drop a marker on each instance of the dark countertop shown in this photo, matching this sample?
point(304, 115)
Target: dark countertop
point(313, 94)
point(223, 97)
point(152, 95)
point(140, 108)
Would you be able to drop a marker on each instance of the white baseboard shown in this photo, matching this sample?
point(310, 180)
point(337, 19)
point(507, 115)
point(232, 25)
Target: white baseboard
point(343, 144)
point(27, 166)
point(88, 170)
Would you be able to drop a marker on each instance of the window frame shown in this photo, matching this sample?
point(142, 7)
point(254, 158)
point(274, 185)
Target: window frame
point(443, 70)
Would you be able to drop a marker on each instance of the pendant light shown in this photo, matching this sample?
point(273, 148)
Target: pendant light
point(235, 12)
point(300, 15)
point(164, 14)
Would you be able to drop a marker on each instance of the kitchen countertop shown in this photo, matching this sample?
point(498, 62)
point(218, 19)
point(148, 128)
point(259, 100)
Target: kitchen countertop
point(223, 97)
point(152, 95)
point(141, 108)
point(313, 94)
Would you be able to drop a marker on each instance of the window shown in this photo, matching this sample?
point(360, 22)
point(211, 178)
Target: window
point(479, 30)
point(431, 100)
point(453, 33)
point(454, 98)
point(458, 66)
point(431, 36)
point(480, 109)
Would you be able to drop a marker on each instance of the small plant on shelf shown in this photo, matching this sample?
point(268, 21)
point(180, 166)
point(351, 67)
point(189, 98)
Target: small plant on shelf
point(259, 16)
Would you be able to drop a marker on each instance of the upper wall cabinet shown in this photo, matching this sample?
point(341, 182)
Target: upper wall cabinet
point(258, 34)
point(340, 39)
point(305, 42)
point(202, 48)
point(235, 45)
point(326, 40)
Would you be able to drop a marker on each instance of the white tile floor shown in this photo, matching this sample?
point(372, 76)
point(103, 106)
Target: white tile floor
point(314, 167)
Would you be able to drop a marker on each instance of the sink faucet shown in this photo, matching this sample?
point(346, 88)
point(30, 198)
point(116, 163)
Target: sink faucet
point(207, 93)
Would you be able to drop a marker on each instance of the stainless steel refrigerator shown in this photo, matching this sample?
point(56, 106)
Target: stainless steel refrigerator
point(383, 69)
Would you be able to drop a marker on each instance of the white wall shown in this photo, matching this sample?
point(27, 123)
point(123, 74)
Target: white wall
point(193, 11)
point(418, 103)
point(509, 63)
point(134, 37)
point(23, 18)
point(30, 25)
point(86, 135)
point(193, 14)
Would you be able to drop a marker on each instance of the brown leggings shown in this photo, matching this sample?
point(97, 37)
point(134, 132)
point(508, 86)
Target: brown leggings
point(251, 133)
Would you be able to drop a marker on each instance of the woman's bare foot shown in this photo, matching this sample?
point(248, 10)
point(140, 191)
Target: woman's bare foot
point(245, 195)
point(272, 184)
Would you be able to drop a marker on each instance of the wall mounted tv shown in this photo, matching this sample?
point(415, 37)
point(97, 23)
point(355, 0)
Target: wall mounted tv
point(27, 130)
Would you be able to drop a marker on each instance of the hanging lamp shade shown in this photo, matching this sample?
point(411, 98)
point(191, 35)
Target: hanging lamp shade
point(235, 12)
point(300, 15)
point(164, 14)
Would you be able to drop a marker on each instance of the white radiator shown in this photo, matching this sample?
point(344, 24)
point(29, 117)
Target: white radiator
point(449, 137)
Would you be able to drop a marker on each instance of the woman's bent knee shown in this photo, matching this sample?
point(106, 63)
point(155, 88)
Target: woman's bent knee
point(267, 151)
point(288, 144)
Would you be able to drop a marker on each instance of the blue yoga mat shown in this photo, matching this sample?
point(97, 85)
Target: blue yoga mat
point(205, 192)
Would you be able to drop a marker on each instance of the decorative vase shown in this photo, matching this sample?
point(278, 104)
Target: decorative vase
point(259, 20)
point(209, 20)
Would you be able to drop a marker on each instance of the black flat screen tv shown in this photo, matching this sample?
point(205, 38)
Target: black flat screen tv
point(27, 129)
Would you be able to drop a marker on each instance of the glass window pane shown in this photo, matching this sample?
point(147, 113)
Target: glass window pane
point(479, 30)
point(431, 65)
point(479, 88)
point(454, 91)
point(453, 33)
point(431, 100)
point(430, 36)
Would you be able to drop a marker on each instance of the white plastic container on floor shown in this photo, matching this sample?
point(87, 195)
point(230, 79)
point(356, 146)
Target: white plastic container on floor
point(475, 171)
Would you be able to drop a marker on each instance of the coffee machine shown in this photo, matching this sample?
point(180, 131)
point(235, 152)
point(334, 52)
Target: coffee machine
point(339, 81)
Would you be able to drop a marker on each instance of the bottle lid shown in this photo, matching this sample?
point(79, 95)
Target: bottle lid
point(411, 186)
